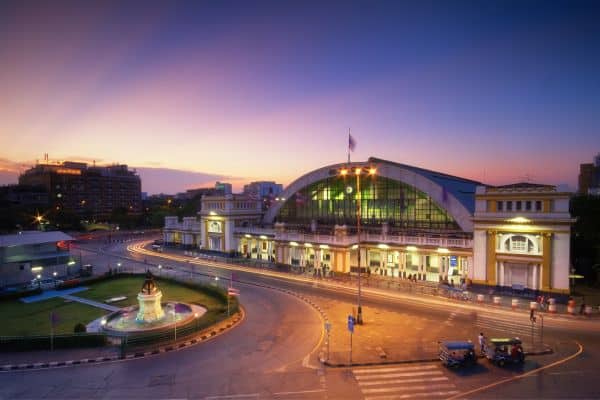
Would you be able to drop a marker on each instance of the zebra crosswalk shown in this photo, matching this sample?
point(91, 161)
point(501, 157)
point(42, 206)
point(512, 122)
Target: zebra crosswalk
point(404, 382)
point(506, 327)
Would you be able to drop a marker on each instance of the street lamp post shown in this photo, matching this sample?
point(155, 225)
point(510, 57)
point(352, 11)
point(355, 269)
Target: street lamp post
point(359, 318)
point(358, 171)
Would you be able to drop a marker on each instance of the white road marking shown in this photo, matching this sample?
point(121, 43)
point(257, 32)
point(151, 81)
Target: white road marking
point(403, 381)
point(299, 392)
point(398, 375)
point(413, 395)
point(394, 369)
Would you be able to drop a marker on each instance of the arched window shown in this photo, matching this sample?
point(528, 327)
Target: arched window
point(519, 244)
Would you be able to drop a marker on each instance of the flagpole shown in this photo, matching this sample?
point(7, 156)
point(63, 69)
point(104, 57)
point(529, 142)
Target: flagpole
point(348, 145)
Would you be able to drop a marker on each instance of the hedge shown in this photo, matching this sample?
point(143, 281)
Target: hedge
point(26, 343)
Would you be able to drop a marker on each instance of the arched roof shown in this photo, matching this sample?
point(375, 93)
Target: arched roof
point(455, 195)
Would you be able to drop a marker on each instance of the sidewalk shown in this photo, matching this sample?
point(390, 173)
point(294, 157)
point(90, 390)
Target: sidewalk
point(396, 337)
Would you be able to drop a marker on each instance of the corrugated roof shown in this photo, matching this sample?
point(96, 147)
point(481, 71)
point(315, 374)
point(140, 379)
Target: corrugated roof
point(33, 237)
point(462, 189)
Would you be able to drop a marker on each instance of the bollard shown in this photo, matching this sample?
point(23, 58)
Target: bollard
point(515, 303)
point(480, 298)
point(587, 311)
point(552, 308)
point(497, 300)
point(571, 307)
point(533, 305)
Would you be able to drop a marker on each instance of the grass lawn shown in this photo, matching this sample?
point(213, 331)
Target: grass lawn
point(22, 319)
point(130, 287)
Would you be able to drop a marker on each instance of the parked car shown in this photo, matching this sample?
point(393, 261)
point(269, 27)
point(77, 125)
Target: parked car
point(45, 283)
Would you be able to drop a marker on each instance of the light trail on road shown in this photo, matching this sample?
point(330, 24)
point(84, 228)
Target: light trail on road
point(430, 302)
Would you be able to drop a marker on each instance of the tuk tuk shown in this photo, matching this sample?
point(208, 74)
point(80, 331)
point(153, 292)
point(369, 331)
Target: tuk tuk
point(504, 350)
point(457, 353)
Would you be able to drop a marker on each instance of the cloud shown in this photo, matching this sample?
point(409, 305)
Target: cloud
point(166, 180)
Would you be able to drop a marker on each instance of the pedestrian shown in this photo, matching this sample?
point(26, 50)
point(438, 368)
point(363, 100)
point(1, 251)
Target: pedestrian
point(582, 308)
point(481, 341)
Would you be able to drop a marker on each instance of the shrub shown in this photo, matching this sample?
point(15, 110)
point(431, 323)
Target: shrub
point(79, 328)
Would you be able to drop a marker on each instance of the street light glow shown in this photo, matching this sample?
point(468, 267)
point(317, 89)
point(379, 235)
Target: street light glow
point(344, 172)
point(372, 171)
point(357, 171)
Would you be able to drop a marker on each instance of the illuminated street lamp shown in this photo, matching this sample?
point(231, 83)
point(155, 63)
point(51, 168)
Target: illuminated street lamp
point(371, 171)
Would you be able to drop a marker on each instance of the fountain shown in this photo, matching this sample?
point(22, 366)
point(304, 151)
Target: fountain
point(149, 299)
point(151, 315)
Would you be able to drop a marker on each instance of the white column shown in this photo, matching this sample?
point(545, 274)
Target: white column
point(534, 280)
point(501, 274)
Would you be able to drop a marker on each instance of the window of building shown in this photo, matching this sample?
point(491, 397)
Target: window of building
point(518, 243)
point(538, 205)
point(528, 205)
point(509, 206)
point(519, 205)
point(499, 205)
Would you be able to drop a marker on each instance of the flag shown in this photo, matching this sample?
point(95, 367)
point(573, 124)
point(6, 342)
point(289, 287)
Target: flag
point(54, 319)
point(351, 143)
point(233, 292)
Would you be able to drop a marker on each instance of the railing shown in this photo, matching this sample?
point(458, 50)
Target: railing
point(374, 238)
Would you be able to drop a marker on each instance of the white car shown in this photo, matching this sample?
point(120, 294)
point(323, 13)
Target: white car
point(46, 283)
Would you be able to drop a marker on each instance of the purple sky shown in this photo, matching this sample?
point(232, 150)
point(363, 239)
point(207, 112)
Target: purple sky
point(189, 93)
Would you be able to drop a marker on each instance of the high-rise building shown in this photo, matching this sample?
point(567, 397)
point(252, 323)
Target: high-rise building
point(589, 177)
point(93, 191)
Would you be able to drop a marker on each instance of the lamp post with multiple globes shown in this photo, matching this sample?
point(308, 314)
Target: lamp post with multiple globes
point(371, 171)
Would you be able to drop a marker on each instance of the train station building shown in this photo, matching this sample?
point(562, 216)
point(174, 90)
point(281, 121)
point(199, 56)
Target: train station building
point(413, 223)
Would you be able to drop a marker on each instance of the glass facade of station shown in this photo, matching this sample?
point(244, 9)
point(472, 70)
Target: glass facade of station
point(333, 201)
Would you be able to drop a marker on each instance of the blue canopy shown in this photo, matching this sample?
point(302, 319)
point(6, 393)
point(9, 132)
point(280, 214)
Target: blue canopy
point(458, 345)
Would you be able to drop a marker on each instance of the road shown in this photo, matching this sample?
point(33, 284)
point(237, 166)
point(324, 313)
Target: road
point(274, 353)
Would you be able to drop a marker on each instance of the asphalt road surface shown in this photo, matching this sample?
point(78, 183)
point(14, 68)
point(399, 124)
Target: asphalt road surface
point(274, 354)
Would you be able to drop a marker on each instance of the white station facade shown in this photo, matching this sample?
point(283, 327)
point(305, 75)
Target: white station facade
point(414, 223)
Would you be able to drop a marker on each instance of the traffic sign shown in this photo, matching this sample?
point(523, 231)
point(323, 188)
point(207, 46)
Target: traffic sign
point(351, 323)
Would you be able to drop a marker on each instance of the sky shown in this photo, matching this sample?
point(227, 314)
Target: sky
point(192, 92)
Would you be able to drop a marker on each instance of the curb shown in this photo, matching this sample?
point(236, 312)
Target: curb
point(202, 337)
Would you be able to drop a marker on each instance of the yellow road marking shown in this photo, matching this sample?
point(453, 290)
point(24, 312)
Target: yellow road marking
point(514, 378)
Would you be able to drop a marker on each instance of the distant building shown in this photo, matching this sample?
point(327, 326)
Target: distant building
point(219, 218)
point(24, 195)
point(87, 190)
point(26, 255)
point(589, 177)
point(263, 189)
point(224, 187)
